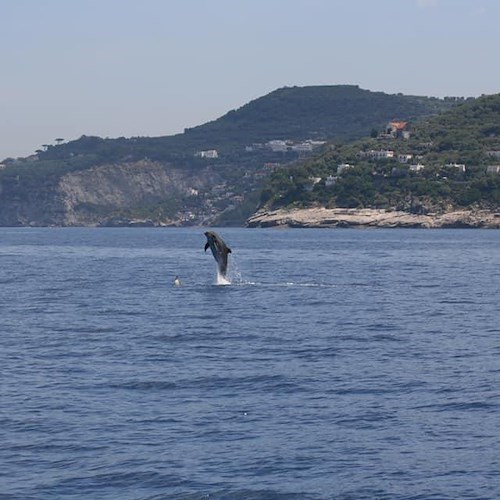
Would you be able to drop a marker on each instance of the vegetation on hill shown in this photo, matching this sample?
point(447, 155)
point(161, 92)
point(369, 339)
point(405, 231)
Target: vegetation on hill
point(446, 167)
point(342, 112)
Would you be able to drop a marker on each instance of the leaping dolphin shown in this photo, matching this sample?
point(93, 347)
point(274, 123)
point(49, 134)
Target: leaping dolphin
point(219, 249)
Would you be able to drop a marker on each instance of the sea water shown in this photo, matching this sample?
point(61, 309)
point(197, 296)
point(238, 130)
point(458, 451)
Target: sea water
point(336, 364)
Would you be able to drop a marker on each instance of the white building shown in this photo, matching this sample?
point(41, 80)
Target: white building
point(330, 180)
point(342, 167)
point(459, 166)
point(209, 153)
point(404, 158)
point(416, 168)
point(277, 146)
point(303, 147)
point(315, 144)
point(280, 146)
point(493, 169)
point(383, 154)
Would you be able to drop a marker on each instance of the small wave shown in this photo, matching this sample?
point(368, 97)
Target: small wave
point(240, 282)
point(242, 494)
point(457, 301)
point(469, 406)
point(140, 385)
point(292, 284)
point(123, 479)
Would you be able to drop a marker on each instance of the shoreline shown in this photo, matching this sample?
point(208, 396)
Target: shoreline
point(320, 217)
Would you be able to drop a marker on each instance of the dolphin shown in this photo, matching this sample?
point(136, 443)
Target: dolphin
point(219, 249)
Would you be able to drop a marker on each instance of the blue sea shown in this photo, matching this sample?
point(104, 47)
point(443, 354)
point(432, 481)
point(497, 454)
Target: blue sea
point(338, 364)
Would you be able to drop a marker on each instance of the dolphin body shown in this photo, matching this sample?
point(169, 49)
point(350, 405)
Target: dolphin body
point(219, 249)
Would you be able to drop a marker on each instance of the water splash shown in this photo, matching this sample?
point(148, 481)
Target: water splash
point(235, 274)
point(221, 280)
point(233, 277)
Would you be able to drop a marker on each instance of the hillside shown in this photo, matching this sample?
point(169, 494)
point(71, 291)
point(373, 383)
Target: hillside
point(447, 162)
point(342, 112)
point(222, 163)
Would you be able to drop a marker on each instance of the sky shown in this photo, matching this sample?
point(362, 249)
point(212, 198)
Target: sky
point(125, 68)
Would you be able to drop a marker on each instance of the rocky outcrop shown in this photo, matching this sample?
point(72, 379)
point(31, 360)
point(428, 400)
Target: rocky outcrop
point(346, 217)
point(99, 195)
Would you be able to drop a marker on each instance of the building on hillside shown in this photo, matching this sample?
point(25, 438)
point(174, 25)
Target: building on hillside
point(316, 144)
point(416, 168)
point(256, 146)
point(494, 154)
point(404, 158)
point(209, 153)
point(397, 130)
point(306, 146)
point(459, 166)
point(342, 167)
point(303, 147)
point(383, 154)
point(277, 146)
point(283, 146)
point(493, 169)
point(330, 181)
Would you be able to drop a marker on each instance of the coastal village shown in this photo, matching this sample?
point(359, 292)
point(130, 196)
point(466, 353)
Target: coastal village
point(405, 161)
point(394, 149)
point(282, 152)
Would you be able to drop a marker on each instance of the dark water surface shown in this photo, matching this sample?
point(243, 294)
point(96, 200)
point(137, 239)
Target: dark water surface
point(339, 364)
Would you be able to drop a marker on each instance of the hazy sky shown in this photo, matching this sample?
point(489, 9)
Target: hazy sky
point(153, 67)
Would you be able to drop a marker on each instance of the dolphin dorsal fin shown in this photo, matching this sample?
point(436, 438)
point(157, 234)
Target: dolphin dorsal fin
point(207, 246)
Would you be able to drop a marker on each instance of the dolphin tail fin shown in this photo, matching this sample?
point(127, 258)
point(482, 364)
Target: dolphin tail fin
point(207, 245)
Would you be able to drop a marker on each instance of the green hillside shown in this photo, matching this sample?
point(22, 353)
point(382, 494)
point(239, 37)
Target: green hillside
point(322, 112)
point(450, 154)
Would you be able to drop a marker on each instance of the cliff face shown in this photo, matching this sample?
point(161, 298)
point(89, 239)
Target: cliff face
point(93, 196)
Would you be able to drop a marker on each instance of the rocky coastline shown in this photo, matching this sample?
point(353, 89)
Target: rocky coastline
point(320, 217)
